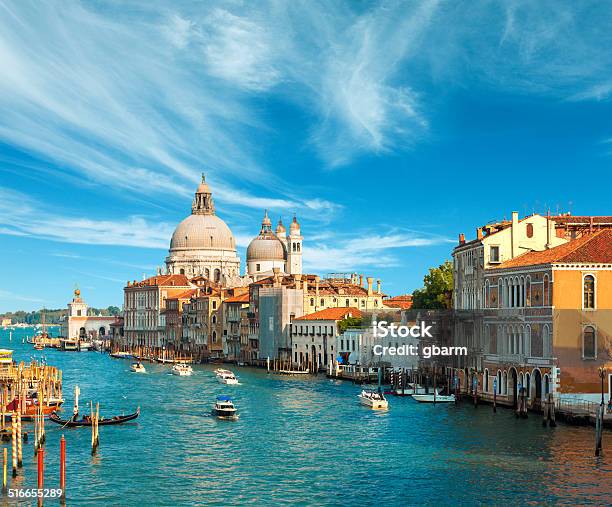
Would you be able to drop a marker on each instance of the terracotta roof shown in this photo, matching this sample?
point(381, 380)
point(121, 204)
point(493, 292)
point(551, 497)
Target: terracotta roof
point(187, 294)
point(593, 247)
point(404, 302)
point(166, 280)
point(241, 298)
point(332, 314)
point(571, 219)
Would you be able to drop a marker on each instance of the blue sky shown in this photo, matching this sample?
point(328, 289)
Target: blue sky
point(388, 127)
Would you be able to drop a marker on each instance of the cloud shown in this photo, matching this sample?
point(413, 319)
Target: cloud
point(22, 216)
point(11, 296)
point(364, 250)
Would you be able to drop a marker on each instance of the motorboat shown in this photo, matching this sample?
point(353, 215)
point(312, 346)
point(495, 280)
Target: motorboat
point(431, 398)
point(182, 369)
point(68, 344)
point(138, 368)
point(224, 408)
point(226, 377)
point(373, 399)
point(413, 388)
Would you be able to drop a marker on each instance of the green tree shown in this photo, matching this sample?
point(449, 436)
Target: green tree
point(344, 324)
point(437, 291)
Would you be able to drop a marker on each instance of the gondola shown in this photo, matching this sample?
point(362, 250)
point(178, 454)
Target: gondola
point(73, 423)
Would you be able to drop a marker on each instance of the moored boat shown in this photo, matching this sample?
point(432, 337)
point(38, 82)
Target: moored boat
point(182, 369)
point(431, 398)
point(74, 422)
point(121, 355)
point(226, 377)
point(224, 408)
point(69, 344)
point(373, 399)
point(138, 368)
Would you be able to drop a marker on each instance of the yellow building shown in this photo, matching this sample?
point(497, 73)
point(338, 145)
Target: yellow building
point(548, 322)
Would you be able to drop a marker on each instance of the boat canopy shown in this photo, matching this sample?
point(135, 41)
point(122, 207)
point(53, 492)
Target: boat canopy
point(224, 398)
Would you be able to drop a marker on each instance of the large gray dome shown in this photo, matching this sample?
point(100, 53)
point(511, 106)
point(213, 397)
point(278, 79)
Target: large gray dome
point(266, 248)
point(202, 232)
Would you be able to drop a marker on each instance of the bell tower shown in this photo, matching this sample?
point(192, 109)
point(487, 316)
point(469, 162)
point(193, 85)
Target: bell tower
point(294, 248)
point(77, 307)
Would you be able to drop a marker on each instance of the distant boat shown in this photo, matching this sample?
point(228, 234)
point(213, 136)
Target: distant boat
point(224, 408)
point(121, 355)
point(373, 399)
point(226, 377)
point(181, 369)
point(138, 368)
point(86, 420)
point(430, 398)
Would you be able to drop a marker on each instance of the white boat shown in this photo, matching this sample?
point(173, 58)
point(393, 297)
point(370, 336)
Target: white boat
point(85, 345)
point(69, 344)
point(226, 377)
point(373, 399)
point(429, 398)
point(224, 408)
point(181, 369)
point(138, 368)
point(411, 389)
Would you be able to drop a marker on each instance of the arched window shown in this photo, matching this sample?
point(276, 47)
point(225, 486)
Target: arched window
point(182, 271)
point(588, 284)
point(207, 273)
point(311, 301)
point(546, 345)
point(589, 343)
point(546, 295)
point(214, 337)
point(214, 319)
point(528, 384)
point(500, 292)
point(217, 275)
point(528, 291)
point(530, 230)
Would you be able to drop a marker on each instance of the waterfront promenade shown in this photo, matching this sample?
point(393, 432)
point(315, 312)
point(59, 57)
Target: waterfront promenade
point(304, 441)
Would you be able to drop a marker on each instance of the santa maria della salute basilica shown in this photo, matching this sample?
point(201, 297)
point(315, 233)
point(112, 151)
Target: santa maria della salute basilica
point(203, 245)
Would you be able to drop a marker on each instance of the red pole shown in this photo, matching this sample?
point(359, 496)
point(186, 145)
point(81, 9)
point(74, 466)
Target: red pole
point(41, 468)
point(63, 465)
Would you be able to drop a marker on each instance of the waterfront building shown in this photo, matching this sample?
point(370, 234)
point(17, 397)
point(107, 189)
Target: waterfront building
point(174, 319)
point(512, 297)
point(313, 337)
point(235, 326)
point(290, 296)
point(144, 304)
point(78, 324)
point(548, 321)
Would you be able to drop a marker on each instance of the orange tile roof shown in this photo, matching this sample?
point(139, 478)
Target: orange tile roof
point(241, 298)
point(165, 280)
point(593, 247)
point(332, 314)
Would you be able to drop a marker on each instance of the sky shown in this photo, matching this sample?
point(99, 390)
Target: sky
point(387, 127)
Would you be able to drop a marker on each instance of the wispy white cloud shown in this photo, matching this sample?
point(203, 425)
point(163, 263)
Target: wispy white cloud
point(11, 296)
point(364, 250)
point(20, 215)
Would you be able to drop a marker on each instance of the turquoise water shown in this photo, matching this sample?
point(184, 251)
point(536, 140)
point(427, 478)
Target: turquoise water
point(302, 442)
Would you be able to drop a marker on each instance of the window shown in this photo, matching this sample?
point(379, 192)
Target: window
point(214, 319)
point(546, 291)
point(322, 302)
point(214, 305)
point(494, 254)
point(257, 267)
point(311, 301)
point(589, 292)
point(530, 230)
point(214, 337)
point(348, 302)
point(341, 344)
point(589, 343)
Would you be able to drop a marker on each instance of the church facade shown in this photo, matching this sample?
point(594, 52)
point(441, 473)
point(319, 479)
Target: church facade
point(203, 245)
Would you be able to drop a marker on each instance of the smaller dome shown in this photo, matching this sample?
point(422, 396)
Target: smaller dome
point(266, 248)
point(280, 228)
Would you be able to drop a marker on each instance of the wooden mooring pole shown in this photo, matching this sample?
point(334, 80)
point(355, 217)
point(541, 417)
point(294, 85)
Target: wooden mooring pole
point(599, 430)
point(4, 469)
point(19, 443)
point(63, 466)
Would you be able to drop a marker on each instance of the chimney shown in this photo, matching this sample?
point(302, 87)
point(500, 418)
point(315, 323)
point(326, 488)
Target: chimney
point(360, 280)
point(298, 281)
point(378, 286)
point(305, 286)
point(317, 279)
point(370, 280)
point(461, 239)
point(479, 233)
point(514, 233)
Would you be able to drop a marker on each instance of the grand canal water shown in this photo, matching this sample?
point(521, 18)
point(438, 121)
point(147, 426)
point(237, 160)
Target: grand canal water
point(301, 441)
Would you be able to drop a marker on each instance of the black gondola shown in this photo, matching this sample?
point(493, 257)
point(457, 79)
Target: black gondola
point(86, 420)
